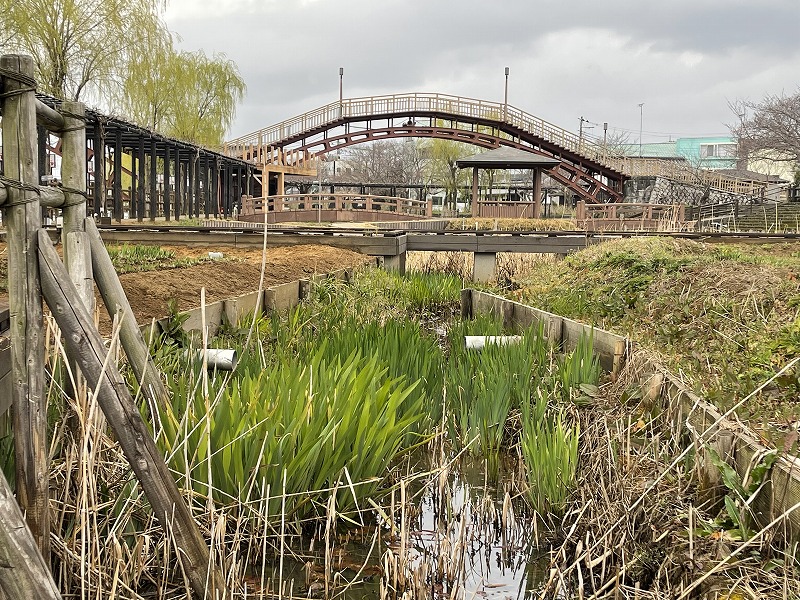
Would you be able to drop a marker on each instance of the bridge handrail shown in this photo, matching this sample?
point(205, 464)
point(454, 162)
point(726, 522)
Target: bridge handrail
point(427, 103)
point(493, 112)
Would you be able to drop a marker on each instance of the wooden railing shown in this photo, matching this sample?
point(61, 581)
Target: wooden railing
point(421, 103)
point(328, 201)
point(683, 172)
point(631, 217)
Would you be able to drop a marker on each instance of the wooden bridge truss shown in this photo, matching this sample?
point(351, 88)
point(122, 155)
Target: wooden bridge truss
point(586, 168)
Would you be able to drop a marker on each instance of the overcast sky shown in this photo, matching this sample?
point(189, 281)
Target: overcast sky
point(684, 59)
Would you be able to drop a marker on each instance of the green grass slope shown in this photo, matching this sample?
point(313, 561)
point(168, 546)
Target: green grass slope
point(726, 317)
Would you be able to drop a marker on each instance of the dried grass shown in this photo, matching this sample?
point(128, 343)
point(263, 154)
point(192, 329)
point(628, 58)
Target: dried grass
point(488, 224)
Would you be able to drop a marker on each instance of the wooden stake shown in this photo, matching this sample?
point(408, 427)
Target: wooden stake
point(22, 218)
point(145, 370)
point(83, 344)
point(24, 574)
point(73, 175)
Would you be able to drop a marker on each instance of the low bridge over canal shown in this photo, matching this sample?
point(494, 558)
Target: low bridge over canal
point(392, 245)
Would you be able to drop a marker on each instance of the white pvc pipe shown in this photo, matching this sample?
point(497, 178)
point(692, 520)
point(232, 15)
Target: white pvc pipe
point(221, 359)
point(476, 342)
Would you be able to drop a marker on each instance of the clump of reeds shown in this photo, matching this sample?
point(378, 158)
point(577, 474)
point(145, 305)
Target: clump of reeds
point(484, 387)
point(457, 264)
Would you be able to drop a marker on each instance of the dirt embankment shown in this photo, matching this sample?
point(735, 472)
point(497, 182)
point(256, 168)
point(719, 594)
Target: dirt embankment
point(237, 273)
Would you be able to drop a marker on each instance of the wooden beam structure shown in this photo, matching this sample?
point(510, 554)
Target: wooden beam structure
point(129, 142)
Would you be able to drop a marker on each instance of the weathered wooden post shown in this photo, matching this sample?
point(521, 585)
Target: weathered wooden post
point(84, 345)
point(73, 176)
point(24, 574)
point(147, 374)
point(22, 217)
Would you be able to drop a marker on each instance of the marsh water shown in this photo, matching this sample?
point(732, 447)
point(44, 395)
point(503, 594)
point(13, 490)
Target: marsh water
point(464, 533)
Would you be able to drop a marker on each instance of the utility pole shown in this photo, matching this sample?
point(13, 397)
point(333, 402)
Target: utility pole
point(641, 112)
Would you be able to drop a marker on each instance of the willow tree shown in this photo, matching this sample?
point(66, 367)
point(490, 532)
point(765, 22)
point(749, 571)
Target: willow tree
point(81, 44)
point(145, 96)
point(187, 95)
point(206, 91)
point(444, 154)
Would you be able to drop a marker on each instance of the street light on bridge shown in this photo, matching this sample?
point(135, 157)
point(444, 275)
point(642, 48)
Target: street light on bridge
point(341, 75)
point(505, 99)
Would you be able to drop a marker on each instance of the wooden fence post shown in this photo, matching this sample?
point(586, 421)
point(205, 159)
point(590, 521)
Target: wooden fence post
point(73, 176)
point(144, 369)
point(84, 345)
point(22, 217)
point(24, 574)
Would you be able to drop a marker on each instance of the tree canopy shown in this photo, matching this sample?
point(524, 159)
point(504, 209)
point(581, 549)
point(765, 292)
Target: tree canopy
point(81, 45)
point(769, 129)
point(187, 95)
point(444, 155)
point(121, 54)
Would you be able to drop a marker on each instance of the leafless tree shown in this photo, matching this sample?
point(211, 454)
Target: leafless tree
point(770, 129)
point(395, 163)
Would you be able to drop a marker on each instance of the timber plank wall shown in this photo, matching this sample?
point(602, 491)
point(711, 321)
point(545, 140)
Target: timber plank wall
point(689, 415)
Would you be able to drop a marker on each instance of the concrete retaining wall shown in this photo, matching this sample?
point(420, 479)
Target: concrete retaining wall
point(276, 298)
point(690, 415)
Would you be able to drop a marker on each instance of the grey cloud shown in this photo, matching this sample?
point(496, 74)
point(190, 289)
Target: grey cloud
point(289, 54)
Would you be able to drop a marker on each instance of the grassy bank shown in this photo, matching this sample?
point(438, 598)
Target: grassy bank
point(725, 317)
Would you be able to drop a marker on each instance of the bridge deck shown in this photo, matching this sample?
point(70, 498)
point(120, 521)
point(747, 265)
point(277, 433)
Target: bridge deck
point(392, 243)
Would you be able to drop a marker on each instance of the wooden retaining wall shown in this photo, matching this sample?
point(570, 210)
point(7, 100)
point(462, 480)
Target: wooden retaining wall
point(690, 415)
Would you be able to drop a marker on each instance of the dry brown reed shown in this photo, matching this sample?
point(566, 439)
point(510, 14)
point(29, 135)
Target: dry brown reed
point(510, 265)
point(638, 527)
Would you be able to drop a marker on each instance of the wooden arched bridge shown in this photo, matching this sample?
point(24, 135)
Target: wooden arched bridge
point(586, 168)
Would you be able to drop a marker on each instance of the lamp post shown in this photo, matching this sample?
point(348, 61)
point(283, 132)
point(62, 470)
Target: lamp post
point(505, 99)
point(341, 76)
point(641, 112)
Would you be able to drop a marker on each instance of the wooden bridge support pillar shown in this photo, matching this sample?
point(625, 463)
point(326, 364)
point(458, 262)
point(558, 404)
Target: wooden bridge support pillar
point(484, 266)
point(207, 166)
point(176, 203)
point(133, 191)
point(474, 208)
point(191, 198)
point(118, 208)
point(99, 149)
point(281, 184)
point(153, 181)
point(165, 199)
point(215, 187)
point(196, 185)
point(537, 193)
point(141, 176)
